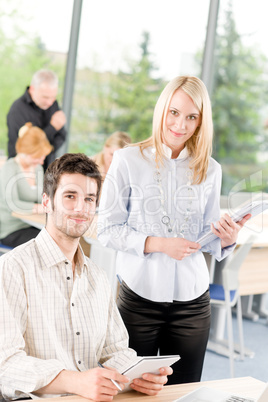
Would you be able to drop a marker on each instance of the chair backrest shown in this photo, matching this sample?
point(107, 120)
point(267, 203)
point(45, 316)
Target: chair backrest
point(4, 249)
point(230, 271)
point(3, 158)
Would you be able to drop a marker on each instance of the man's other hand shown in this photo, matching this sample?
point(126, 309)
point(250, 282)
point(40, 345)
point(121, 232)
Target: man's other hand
point(58, 119)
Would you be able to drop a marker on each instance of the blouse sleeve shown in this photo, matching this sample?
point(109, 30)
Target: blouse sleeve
point(113, 227)
point(212, 215)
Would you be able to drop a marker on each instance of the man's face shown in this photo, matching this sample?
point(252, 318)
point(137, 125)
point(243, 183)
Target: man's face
point(44, 95)
point(74, 206)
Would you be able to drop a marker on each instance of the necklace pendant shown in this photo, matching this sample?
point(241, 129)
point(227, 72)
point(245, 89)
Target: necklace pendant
point(157, 176)
point(165, 220)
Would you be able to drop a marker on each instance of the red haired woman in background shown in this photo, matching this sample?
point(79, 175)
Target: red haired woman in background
point(21, 185)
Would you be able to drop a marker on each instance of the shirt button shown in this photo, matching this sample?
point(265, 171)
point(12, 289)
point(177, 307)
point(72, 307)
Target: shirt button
point(68, 278)
point(79, 362)
point(72, 304)
point(77, 333)
point(66, 262)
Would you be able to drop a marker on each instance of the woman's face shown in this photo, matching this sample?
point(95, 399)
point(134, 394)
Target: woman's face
point(108, 153)
point(182, 120)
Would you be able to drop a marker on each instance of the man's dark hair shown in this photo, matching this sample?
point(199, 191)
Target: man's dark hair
point(70, 164)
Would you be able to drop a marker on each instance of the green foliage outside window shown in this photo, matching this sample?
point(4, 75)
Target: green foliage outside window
point(21, 56)
point(239, 100)
point(111, 102)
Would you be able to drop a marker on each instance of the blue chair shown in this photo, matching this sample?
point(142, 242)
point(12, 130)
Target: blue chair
point(227, 296)
point(4, 249)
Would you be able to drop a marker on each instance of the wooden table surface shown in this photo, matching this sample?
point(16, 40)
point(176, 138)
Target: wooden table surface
point(38, 219)
point(253, 275)
point(245, 386)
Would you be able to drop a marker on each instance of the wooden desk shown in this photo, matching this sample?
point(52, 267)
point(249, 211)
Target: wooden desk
point(36, 220)
point(253, 276)
point(245, 386)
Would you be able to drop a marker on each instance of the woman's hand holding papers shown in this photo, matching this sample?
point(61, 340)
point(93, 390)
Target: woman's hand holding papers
point(227, 229)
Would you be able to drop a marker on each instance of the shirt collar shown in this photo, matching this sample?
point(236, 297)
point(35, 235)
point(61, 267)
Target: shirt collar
point(168, 152)
point(28, 96)
point(51, 254)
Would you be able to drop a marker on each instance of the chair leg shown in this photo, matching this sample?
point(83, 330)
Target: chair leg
point(240, 328)
point(230, 332)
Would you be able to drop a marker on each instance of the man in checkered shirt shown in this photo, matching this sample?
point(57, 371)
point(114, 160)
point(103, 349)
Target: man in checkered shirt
point(58, 314)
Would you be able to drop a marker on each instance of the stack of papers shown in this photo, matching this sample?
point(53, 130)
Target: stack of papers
point(254, 208)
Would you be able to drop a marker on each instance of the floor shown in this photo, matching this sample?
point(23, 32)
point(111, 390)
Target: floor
point(256, 339)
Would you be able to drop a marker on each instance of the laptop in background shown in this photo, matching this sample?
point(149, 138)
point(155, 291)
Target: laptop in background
point(205, 394)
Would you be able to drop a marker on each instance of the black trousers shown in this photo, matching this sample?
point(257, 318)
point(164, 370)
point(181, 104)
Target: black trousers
point(21, 236)
point(168, 328)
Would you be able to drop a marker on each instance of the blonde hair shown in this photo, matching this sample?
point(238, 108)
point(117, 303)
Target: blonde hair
point(33, 141)
point(118, 139)
point(199, 145)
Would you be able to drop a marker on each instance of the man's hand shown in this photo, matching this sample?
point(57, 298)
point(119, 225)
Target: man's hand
point(58, 120)
point(93, 384)
point(151, 384)
point(96, 384)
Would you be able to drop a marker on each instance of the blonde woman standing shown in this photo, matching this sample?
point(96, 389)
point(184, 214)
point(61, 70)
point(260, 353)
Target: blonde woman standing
point(21, 185)
point(160, 196)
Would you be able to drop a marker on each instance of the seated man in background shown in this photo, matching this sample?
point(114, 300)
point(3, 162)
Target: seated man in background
point(38, 105)
point(58, 314)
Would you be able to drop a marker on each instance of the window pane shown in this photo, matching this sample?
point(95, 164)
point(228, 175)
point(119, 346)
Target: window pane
point(118, 60)
point(240, 96)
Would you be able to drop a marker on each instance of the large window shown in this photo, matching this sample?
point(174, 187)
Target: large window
point(127, 52)
point(240, 95)
point(34, 34)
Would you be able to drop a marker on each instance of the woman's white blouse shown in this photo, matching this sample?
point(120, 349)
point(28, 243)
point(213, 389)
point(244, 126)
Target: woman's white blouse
point(130, 211)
